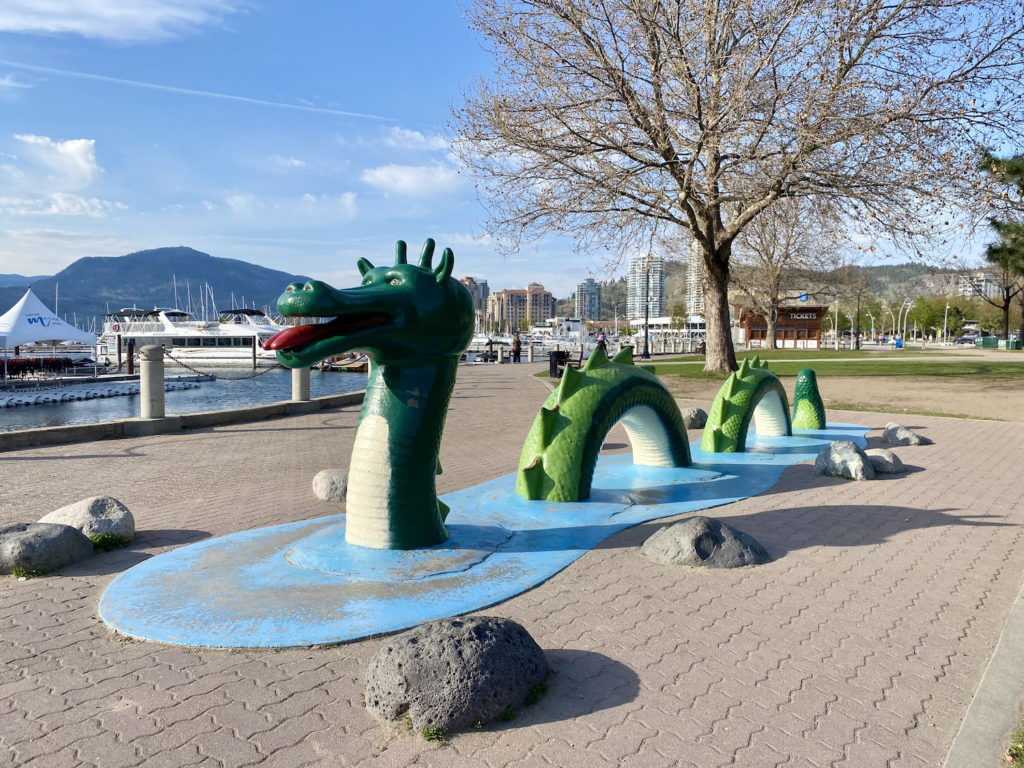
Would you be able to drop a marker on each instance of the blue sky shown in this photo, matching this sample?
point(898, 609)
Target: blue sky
point(295, 135)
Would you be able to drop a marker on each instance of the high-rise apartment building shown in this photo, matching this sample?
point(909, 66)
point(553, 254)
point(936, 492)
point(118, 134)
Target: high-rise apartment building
point(480, 292)
point(645, 272)
point(694, 283)
point(588, 299)
point(509, 307)
point(980, 284)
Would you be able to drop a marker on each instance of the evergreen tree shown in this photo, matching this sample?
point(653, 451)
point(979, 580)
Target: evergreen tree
point(1006, 255)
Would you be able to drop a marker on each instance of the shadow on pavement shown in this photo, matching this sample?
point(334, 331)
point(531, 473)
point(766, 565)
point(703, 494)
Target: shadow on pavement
point(583, 682)
point(790, 529)
point(115, 561)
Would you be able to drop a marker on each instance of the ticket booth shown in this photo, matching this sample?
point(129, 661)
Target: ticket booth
point(795, 328)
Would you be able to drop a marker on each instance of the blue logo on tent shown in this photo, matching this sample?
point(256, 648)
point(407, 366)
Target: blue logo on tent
point(43, 321)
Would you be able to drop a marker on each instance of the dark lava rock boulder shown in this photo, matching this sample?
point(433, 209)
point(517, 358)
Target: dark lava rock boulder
point(844, 459)
point(449, 674)
point(41, 547)
point(884, 461)
point(704, 541)
point(897, 434)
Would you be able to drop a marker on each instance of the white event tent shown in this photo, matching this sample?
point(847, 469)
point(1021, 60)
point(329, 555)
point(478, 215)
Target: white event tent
point(30, 320)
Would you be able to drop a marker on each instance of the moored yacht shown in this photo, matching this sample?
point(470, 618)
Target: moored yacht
point(234, 339)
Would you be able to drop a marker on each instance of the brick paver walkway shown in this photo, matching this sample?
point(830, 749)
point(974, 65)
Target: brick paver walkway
point(861, 644)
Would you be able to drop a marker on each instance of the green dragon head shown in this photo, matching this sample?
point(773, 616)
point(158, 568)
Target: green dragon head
point(406, 314)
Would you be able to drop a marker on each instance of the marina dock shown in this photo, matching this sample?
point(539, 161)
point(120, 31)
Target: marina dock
point(876, 636)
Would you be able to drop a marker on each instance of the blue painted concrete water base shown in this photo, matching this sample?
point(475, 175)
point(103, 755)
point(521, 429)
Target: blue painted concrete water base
point(301, 584)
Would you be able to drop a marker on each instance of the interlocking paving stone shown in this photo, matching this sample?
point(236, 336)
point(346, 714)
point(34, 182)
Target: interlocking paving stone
point(861, 644)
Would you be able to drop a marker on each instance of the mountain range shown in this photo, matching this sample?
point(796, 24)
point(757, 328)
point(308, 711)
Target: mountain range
point(181, 276)
point(161, 277)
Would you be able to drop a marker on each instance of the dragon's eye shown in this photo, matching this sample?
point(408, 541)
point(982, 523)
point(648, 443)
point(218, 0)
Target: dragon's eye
point(395, 281)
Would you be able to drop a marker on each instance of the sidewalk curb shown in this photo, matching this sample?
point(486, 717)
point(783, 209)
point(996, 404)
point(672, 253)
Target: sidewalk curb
point(996, 708)
point(80, 433)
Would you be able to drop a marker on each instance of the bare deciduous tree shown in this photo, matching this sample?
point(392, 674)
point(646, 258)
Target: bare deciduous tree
point(784, 252)
point(611, 120)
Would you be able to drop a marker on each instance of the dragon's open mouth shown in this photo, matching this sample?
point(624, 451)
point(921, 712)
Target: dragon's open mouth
point(339, 326)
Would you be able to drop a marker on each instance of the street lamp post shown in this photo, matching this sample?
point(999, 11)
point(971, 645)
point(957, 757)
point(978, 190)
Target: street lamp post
point(872, 323)
point(900, 316)
point(836, 339)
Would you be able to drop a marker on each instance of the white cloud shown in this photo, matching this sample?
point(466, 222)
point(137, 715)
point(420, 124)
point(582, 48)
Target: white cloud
point(406, 139)
point(465, 240)
point(9, 83)
point(271, 211)
point(121, 20)
point(58, 204)
point(69, 165)
point(413, 180)
point(37, 251)
point(344, 204)
point(280, 161)
point(241, 203)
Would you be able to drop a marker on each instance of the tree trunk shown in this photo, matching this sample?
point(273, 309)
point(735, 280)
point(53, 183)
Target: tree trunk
point(1006, 314)
point(720, 356)
point(772, 319)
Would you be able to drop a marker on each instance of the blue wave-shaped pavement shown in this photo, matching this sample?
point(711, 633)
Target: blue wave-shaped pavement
point(301, 584)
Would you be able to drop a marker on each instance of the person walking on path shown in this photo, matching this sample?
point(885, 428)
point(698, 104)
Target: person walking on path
point(517, 348)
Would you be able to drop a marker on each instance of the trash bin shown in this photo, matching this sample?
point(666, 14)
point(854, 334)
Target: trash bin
point(899, 343)
point(556, 361)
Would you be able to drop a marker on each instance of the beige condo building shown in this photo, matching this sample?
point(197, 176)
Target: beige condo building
point(509, 307)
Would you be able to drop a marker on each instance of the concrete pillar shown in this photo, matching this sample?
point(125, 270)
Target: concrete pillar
point(529, 353)
point(300, 385)
point(151, 382)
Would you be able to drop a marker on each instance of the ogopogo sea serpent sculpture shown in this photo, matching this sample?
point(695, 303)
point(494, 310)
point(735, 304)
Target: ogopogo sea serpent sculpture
point(413, 322)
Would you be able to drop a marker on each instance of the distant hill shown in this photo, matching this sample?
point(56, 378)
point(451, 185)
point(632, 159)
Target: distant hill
point(147, 279)
point(22, 280)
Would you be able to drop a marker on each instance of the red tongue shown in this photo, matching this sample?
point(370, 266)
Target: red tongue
point(293, 337)
point(290, 338)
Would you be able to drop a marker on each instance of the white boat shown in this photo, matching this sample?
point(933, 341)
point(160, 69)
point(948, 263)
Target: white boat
point(234, 339)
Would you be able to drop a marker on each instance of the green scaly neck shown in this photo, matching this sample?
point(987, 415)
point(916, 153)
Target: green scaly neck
point(392, 496)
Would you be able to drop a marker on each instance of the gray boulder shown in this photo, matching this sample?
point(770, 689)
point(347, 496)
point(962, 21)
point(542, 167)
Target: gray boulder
point(695, 418)
point(884, 461)
point(41, 546)
point(451, 673)
point(896, 434)
point(844, 459)
point(704, 541)
point(330, 484)
point(96, 516)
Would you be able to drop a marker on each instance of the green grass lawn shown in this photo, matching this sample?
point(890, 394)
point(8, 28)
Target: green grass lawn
point(829, 362)
point(832, 365)
point(910, 363)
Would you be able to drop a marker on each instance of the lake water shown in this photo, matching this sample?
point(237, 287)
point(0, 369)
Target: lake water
point(271, 387)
